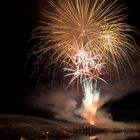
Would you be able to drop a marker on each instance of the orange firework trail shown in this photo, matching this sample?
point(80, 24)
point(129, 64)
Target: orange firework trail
point(84, 35)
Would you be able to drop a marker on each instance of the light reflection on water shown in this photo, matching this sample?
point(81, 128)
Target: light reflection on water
point(105, 136)
point(109, 136)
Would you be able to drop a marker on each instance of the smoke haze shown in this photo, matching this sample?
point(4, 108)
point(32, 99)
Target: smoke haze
point(67, 105)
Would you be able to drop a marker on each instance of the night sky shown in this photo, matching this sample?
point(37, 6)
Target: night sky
point(19, 19)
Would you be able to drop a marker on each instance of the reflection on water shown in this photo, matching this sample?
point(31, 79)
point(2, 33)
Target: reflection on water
point(105, 136)
point(117, 136)
point(109, 136)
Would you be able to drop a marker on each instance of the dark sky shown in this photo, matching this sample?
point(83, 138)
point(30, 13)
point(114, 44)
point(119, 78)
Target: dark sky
point(19, 19)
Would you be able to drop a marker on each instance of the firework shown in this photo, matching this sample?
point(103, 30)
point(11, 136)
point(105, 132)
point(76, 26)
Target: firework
point(90, 101)
point(85, 65)
point(83, 36)
point(88, 67)
point(96, 25)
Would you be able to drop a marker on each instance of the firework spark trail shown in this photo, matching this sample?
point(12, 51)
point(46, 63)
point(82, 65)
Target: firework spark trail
point(85, 65)
point(88, 67)
point(90, 101)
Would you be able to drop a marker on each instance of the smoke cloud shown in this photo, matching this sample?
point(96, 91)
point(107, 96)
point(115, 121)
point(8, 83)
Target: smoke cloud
point(118, 89)
point(64, 105)
point(67, 105)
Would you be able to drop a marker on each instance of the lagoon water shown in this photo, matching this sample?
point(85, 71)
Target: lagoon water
point(104, 136)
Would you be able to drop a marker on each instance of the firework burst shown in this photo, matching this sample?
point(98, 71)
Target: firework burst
point(95, 25)
point(85, 65)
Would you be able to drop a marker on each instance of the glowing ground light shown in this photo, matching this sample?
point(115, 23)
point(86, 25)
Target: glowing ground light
point(93, 138)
